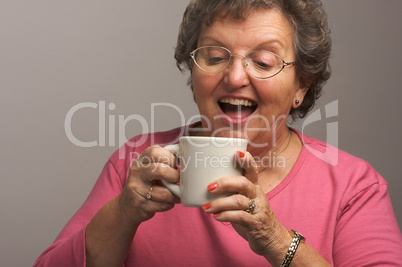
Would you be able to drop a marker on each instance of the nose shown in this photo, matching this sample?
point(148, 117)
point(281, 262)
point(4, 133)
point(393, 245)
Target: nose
point(236, 75)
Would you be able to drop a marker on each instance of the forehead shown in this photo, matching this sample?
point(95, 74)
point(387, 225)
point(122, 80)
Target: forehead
point(260, 28)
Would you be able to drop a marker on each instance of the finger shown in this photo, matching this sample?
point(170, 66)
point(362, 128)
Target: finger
point(250, 167)
point(230, 210)
point(160, 194)
point(158, 171)
point(234, 202)
point(157, 154)
point(233, 210)
point(235, 216)
point(133, 200)
point(234, 184)
point(155, 163)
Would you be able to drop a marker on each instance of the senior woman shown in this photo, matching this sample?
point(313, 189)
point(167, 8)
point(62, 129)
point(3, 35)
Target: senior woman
point(252, 63)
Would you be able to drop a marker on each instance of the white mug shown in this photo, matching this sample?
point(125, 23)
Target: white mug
point(202, 161)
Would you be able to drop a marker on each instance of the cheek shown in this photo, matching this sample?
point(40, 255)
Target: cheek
point(201, 89)
point(277, 92)
point(204, 82)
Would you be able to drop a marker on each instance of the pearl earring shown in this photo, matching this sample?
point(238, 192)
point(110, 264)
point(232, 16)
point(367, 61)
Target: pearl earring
point(297, 102)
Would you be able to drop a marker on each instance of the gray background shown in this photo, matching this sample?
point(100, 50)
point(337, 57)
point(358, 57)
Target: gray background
point(56, 54)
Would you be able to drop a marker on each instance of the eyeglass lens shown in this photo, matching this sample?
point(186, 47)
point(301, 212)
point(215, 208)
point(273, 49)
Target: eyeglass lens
point(261, 64)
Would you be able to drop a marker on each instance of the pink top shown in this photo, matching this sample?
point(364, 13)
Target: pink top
point(344, 211)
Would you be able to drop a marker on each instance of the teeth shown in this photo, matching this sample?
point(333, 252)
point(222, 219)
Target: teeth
point(236, 102)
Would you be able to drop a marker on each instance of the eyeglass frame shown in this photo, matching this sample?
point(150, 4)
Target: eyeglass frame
point(245, 63)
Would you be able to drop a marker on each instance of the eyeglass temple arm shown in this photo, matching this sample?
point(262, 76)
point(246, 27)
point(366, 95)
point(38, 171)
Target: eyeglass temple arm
point(288, 63)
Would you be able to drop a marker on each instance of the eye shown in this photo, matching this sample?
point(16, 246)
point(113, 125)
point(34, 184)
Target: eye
point(263, 60)
point(217, 56)
point(261, 65)
point(215, 60)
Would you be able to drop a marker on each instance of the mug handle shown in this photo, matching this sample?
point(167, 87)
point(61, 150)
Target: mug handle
point(174, 188)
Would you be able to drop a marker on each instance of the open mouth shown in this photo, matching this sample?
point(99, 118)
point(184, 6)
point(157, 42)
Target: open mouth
point(237, 109)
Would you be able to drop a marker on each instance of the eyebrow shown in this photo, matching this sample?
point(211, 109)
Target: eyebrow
point(273, 45)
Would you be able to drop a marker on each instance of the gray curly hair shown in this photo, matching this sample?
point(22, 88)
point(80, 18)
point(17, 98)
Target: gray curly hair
point(311, 37)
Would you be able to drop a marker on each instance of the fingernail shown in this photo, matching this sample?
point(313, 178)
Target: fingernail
point(241, 154)
point(217, 214)
point(212, 187)
point(206, 206)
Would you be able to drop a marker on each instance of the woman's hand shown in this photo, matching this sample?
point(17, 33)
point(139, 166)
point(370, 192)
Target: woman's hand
point(154, 164)
point(109, 235)
point(260, 227)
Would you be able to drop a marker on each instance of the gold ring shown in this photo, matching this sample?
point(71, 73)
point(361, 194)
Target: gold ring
point(149, 194)
point(251, 205)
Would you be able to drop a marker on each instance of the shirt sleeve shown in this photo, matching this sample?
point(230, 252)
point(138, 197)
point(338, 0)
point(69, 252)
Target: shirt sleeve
point(69, 247)
point(367, 233)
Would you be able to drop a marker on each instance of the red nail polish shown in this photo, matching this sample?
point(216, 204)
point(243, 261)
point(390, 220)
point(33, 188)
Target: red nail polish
point(217, 214)
point(241, 154)
point(212, 187)
point(206, 206)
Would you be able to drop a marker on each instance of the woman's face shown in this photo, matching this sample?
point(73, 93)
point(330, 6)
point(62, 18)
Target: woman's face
point(264, 122)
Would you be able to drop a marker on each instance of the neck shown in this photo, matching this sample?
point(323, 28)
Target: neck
point(276, 161)
point(277, 147)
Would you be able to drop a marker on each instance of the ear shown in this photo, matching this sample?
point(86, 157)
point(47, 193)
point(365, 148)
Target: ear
point(300, 93)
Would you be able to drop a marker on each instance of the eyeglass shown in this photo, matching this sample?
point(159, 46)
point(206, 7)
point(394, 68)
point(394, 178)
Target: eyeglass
point(259, 64)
